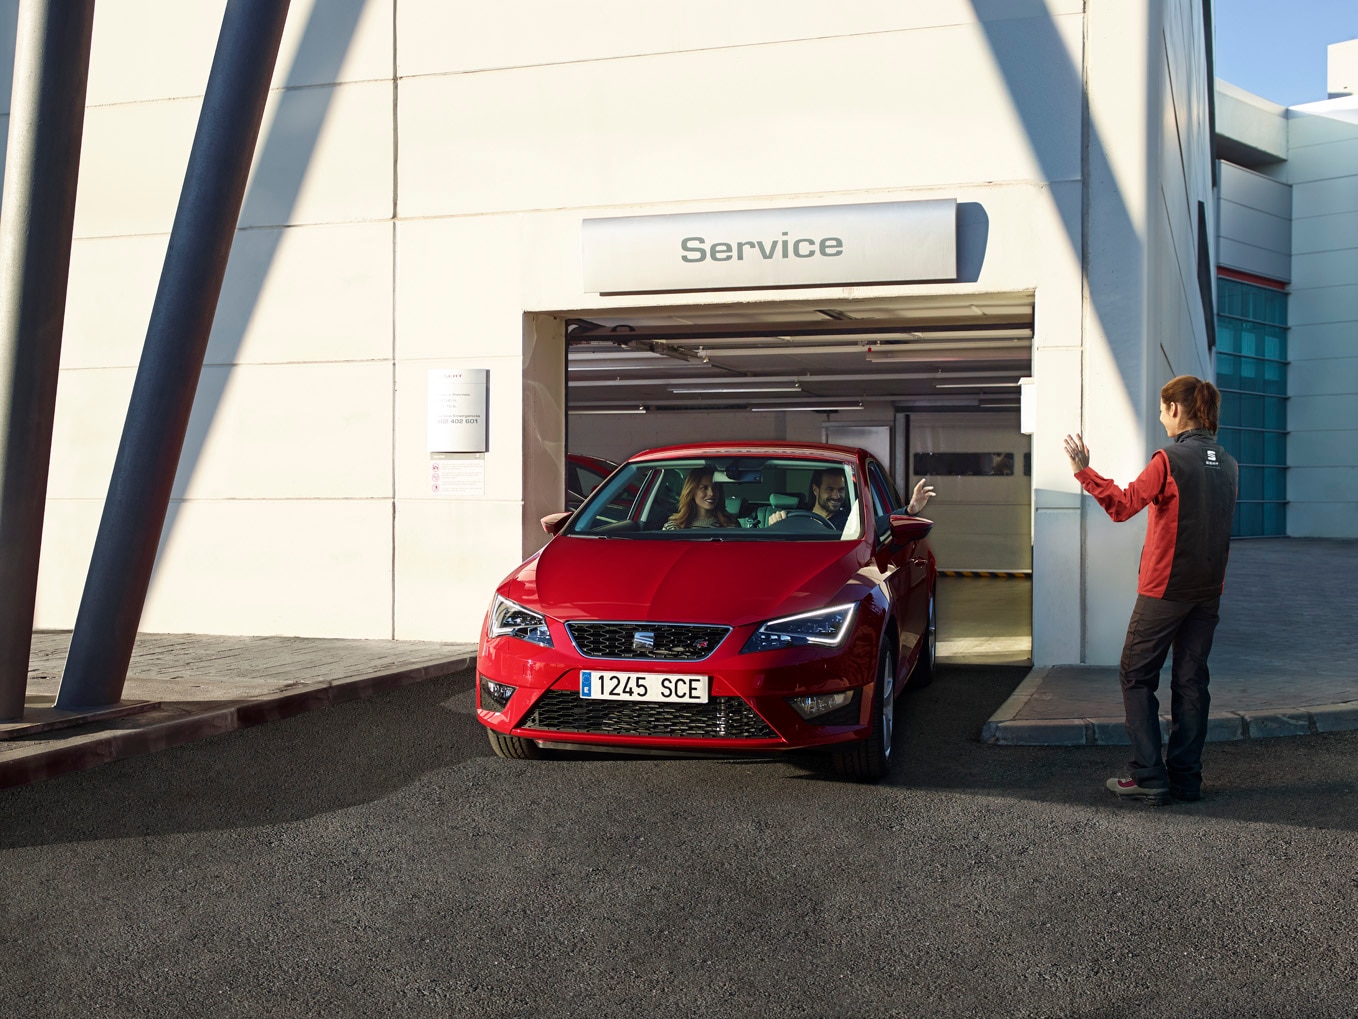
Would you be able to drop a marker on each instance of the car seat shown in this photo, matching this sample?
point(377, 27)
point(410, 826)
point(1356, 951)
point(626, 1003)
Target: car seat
point(777, 501)
point(739, 507)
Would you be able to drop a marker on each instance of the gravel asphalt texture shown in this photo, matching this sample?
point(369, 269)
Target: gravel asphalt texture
point(374, 858)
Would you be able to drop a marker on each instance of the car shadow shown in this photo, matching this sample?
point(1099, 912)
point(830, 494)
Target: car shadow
point(287, 770)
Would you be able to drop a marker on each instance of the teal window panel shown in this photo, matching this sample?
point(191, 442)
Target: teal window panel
point(1228, 369)
point(1275, 413)
point(1275, 378)
point(1229, 415)
point(1275, 483)
point(1275, 518)
point(1275, 343)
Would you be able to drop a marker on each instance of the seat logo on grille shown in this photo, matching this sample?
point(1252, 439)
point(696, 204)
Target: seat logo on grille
point(643, 640)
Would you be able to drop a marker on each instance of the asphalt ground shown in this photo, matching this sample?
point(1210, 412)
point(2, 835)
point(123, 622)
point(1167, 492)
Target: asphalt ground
point(374, 858)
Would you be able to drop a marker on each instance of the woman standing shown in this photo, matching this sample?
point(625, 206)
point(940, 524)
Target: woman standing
point(1190, 486)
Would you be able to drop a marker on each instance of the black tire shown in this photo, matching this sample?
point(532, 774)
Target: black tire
point(870, 759)
point(515, 748)
point(925, 665)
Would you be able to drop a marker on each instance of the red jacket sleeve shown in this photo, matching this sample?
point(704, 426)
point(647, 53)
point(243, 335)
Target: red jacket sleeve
point(1125, 503)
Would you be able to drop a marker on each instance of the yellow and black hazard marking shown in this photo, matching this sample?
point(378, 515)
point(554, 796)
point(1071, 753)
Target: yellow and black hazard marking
point(989, 574)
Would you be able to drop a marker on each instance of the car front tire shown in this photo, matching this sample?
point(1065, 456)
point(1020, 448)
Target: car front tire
point(515, 748)
point(870, 759)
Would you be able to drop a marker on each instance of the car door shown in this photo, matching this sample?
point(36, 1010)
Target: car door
point(907, 566)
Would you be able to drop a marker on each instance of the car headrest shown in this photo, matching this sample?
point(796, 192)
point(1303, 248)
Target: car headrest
point(736, 506)
point(780, 501)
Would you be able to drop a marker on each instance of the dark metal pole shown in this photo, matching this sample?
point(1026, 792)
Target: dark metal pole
point(172, 359)
point(47, 117)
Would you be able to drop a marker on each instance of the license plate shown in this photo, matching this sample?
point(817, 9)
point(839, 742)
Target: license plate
point(643, 686)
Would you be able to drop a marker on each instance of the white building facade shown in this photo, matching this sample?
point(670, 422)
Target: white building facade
point(1288, 313)
point(418, 202)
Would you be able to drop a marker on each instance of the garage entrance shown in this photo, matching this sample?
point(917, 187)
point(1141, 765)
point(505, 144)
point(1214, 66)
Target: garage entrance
point(928, 384)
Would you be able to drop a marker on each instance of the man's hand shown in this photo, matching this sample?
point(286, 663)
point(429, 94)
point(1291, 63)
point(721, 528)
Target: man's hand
point(1078, 452)
point(922, 494)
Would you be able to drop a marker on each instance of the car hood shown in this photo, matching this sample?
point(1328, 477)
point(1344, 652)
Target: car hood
point(731, 582)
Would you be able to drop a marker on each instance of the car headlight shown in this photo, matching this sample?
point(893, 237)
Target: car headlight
point(509, 619)
point(827, 627)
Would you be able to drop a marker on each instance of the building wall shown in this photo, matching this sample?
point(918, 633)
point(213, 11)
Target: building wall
point(1254, 223)
point(1148, 168)
point(282, 506)
point(416, 203)
point(1322, 445)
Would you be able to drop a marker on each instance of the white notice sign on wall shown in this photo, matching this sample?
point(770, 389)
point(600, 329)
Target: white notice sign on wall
point(457, 400)
point(458, 476)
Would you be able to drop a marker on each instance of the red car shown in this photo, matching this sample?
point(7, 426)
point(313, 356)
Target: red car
point(717, 598)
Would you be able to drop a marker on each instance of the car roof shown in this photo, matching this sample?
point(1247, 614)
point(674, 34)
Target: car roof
point(815, 450)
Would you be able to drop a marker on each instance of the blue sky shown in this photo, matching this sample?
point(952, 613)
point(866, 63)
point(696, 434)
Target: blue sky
point(1276, 48)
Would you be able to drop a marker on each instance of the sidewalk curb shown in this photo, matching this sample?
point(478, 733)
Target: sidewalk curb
point(1227, 726)
point(1002, 719)
point(117, 744)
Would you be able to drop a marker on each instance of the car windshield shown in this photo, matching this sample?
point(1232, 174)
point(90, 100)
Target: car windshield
point(726, 498)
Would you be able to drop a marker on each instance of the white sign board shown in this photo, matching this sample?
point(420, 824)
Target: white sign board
point(457, 475)
point(830, 245)
point(457, 410)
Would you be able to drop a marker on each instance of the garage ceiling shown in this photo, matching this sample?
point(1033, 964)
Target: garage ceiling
point(924, 352)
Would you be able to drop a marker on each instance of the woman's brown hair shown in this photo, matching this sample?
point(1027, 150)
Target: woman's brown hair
point(1200, 400)
point(688, 510)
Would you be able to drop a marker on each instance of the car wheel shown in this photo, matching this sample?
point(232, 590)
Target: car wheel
point(923, 673)
point(870, 759)
point(515, 748)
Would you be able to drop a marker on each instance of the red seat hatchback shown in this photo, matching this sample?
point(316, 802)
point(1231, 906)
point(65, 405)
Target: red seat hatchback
point(719, 597)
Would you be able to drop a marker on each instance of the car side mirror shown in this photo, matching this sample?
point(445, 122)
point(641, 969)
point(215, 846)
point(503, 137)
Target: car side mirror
point(553, 522)
point(905, 528)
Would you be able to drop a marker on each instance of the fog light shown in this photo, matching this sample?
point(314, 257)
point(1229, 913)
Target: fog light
point(494, 696)
point(814, 705)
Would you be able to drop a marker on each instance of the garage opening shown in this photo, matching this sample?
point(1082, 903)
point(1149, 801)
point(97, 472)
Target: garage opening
point(931, 385)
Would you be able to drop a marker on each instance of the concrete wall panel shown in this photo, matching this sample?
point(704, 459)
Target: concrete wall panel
point(1324, 304)
point(275, 566)
point(458, 286)
point(437, 36)
point(1326, 197)
point(664, 128)
point(1259, 261)
point(307, 293)
point(446, 575)
point(162, 49)
point(1334, 232)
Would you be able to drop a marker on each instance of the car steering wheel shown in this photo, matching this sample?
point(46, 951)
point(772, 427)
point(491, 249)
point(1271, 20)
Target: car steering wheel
point(801, 513)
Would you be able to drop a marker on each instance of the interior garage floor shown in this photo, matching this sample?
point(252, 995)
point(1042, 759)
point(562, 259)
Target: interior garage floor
point(985, 621)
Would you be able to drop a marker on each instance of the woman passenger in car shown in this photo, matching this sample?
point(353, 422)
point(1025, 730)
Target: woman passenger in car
point(701, 503)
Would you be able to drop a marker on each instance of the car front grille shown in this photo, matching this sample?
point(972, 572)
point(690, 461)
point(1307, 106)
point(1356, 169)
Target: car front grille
point(719, 718)
point(671, 642)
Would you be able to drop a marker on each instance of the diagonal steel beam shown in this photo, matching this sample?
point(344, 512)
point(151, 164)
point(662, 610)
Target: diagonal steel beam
point(47, 118)
point(172, 358)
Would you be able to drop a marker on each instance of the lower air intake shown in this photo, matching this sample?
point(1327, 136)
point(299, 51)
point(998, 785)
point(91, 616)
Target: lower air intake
point(719, 718)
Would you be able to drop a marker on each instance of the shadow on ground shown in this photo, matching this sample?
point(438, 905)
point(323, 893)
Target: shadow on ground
point(364, 751)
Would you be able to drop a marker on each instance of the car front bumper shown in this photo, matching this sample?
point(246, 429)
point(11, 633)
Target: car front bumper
point(747, 708)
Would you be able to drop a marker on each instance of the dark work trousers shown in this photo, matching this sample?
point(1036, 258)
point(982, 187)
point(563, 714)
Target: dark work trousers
point(1156, 626)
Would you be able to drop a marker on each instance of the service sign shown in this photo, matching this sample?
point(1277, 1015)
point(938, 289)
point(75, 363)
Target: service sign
point(829, 245)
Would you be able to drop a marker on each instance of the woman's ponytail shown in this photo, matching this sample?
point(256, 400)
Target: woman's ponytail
point(1200, 399)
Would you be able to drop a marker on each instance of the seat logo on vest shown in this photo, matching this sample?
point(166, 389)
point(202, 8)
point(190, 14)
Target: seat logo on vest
point(1212, 458)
